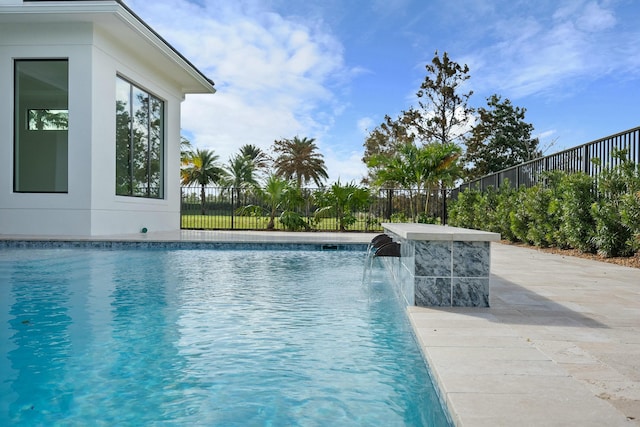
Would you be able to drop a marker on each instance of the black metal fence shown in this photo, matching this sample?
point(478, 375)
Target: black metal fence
point(576, 159)
point(243, 209)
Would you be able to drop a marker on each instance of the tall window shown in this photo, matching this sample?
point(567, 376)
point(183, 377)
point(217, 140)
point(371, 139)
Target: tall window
point(139, 142)
point(41, 99)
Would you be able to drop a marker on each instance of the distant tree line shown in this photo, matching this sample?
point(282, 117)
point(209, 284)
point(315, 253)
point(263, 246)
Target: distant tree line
point(278, 179)
point(425, 149)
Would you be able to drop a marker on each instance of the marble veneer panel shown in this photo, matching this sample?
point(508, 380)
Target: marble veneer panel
point(433, 291)
point(470, 292)
point(450, 273)
point(470, 259)
point(433, 258)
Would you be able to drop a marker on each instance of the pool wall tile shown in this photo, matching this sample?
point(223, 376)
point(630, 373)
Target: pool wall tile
point(112, 244)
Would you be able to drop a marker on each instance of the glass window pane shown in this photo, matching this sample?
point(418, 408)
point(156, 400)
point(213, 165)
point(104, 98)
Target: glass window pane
point(155, 147)
point(41, 119)
point(123, 135)
point(139, 140)
point(41, 126)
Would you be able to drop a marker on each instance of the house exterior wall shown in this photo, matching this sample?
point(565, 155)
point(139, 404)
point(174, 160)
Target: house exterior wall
point(47, 213)
point(112, 214)
point(91, 206)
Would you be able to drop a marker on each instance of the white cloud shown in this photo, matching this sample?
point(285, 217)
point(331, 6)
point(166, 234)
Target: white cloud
point(545, 135)
point(275, 78)
point(595, 18)
point(540, 54)
point(365, 125)
point(348, 168)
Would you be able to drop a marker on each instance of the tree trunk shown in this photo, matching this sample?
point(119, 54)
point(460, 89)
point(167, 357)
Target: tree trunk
point(271, 223)
point(202, 199)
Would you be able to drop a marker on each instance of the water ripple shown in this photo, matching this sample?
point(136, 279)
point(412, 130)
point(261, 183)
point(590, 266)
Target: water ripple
point(205, 338)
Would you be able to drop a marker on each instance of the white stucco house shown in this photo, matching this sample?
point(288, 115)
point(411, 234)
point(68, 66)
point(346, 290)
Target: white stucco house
point(90, 99)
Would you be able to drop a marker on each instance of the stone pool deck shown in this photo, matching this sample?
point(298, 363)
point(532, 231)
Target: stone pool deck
point(559, 345)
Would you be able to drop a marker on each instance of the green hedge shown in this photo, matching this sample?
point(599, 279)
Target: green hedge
point(565, 210)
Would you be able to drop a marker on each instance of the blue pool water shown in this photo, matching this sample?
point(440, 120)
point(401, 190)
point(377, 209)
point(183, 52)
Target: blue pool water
point(205, 338)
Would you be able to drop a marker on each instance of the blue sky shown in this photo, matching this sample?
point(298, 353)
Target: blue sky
point(332, 69)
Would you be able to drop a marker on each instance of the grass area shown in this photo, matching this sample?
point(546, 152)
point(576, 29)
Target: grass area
point(224, 222)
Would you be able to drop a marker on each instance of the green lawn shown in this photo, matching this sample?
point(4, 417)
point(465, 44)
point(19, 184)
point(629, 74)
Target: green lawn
point(223, 222)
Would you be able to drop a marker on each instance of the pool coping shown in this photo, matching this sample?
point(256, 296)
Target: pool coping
point(556, 347)
point(199, 239)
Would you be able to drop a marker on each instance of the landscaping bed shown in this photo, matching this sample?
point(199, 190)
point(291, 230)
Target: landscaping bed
point(633, 261)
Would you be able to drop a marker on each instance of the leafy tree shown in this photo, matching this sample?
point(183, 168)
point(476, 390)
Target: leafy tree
point(298, 159)
point(442, 117)
point(342, 202)
point(202, 168)
point(500, 139)
point(419, 169)
point(384, 140)
point(443, 113)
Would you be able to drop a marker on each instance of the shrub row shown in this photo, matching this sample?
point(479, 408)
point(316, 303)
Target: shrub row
point(565, 210)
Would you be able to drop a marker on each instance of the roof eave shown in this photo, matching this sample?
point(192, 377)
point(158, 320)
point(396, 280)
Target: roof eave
point(70, 8)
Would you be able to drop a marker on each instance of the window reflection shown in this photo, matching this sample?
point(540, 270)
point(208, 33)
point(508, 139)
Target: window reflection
point(47, 119)
point(139, 142)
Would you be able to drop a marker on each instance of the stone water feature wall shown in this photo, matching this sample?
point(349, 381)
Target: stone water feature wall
point(441, 266)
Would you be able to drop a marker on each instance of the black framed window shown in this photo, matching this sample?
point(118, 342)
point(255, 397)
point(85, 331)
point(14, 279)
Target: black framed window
point(139, 142)
point(41, 123)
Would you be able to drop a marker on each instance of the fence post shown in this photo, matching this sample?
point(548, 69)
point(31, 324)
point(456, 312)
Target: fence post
point(586, 160)
point(233, 193)
point(444, 205)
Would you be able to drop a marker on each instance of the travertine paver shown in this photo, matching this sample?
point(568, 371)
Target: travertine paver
point(559, 346)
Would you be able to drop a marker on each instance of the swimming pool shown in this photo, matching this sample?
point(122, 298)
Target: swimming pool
point(205, 337)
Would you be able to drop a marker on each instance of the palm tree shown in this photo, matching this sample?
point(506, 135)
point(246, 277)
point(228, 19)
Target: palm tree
point(419, 169)
point(342, 202)
point(239, 174)
point(201, 167)
point(280, 194)
point(274, 191)
point(298, 159)
point(259, 158)
point(440, 166)
point(185, 149)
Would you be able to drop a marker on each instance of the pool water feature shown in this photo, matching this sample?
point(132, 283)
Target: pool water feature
point(205, 337)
